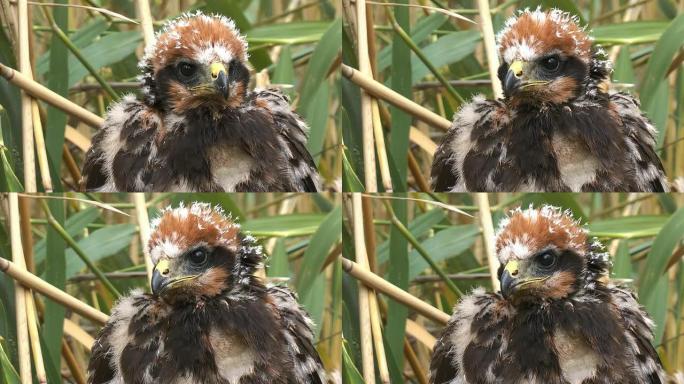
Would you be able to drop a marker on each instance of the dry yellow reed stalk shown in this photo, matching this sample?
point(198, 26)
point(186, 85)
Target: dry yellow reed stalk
point(380, 91)
point(423, 141)
point(26, 108)
point(43, 93)
point(142, 8)
point(39, 285)
point(380, 147)
point(417, 369)
point(490, 46)
point(77, 138)
point(485, 216)
point(368, 367)
point(77, 333)
point(381, 285)
point(366, 107)
point(71, 165)
point(417, 173)
point(41, 151)
point(419, 333)
point(38, 363)
point(376, 331)
point(23, 351)
point(72, 363)
point(144, 227)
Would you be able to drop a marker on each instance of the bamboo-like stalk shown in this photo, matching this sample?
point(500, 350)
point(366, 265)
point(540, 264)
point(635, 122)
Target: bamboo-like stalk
point(26, 108)
point(490, 46)
point(23, 351)
point(39, 285)
point(381, 285)
point(364, 292)
point(380, 91)
point(38, 363)
point(41, 92)
point(71, 165)
point(144, 226)
point(380, 147)
point(142, 8)
point(41, 151)
point(77, 333)
point(72, 363)
point(366, 107)
point(417, 174)
point(418, 371)
point(485, 216)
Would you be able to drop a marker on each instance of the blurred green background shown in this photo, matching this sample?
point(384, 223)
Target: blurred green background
point(643, 232)
point(300, 233)
point(643, 38)
point(296, 42)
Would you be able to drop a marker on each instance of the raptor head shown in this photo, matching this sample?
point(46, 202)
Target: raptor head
point(196, 60)
point(547, 255)
point(199, 252)
point(545, 57)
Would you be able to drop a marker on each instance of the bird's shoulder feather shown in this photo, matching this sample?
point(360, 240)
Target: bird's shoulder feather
point(292, 134)
point(640, 138)
point(472, 126)
point(476, 319)
point(298, 334)
point(121, 148)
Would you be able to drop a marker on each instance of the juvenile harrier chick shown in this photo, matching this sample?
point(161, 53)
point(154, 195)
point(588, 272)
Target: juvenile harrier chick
point(198, 127)
point(209, 320)
point(557, 128)
point(555, 320)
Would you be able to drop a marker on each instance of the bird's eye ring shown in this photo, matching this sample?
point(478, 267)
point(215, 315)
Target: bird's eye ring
point(546, 259)
point(198, 256)
point(550, 63)
point(186, 69)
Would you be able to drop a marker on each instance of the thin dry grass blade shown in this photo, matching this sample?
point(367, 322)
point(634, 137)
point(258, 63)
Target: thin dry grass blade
point(485, 214)
point(23, 351)
point(436, 9)
point(417, 173)
point(92, 202)
point(380, 147)
point(490, 46)
point(96, 9)
point(365, 325)
point(379, 284)
point(379, 90)
point(38, 363)
point(431, 202)
point(41, 92)
point(39, 285)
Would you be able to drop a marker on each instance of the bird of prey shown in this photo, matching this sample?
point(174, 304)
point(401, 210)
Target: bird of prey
point(556, 320)
point(199, 127)
point(558, 128)
point(209, 320)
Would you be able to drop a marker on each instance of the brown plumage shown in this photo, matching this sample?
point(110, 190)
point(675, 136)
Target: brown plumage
point(199, 127)
point(209, 320)
point(555, 320)
point(557, 128)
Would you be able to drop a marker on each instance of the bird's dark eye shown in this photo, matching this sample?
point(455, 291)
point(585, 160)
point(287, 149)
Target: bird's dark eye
point(550, 63)
point(546, 259)
point(186, 69)
point(198, 256)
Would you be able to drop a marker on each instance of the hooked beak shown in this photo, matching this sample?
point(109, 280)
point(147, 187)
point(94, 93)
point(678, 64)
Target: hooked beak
point(509, 279)
point(513, 79)
point(220, 78)
point(160, 276)
point(161, 279)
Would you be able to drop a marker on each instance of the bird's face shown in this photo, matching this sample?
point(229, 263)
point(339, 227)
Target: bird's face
point(549, 274)
point(200, 271)
point(198, 253)
point(197, 60)
point(545, 58)
point(542, 255)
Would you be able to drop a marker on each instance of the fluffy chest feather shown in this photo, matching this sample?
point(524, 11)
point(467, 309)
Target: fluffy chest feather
point(230, 166)
point(577, 166)
point(577, 361)
point(233, 358)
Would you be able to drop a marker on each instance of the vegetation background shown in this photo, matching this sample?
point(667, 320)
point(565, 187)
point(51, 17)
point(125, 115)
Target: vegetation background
point(433, 254)
point(81, 245)
point(419, 49)
point(77, 46)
